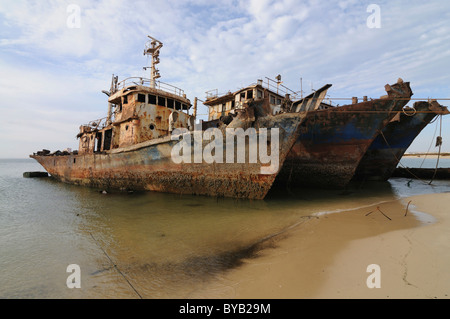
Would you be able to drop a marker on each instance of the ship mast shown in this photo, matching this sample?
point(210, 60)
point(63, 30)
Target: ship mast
point(152, 48)
point(111, 91)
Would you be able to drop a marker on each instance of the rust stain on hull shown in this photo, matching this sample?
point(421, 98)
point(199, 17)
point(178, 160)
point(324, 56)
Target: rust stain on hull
point(385, 152)
point(150, 167)
point(332, 141)
point(131, 149)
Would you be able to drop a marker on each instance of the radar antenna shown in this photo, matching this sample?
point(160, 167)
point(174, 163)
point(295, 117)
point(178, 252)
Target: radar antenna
point(152, 48)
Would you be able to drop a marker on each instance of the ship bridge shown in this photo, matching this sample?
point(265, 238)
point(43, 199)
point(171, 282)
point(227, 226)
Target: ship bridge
point(274, 92)
point(139, 109)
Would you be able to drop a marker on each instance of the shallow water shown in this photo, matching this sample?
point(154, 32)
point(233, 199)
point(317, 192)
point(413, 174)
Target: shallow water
point(150, 245)
point(425, 161)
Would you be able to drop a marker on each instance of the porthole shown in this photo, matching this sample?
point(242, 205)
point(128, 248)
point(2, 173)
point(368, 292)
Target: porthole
point(152, 127)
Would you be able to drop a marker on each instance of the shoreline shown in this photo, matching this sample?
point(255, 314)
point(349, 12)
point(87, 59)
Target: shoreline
point(429, 155)
point(328, 256)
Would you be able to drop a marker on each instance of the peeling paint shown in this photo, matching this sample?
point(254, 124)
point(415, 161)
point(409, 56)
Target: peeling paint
point(332, 141)
point(385, 152)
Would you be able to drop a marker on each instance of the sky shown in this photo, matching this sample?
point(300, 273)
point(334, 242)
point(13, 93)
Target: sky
point(57, 56)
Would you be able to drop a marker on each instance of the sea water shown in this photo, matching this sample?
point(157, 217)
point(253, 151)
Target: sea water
point(424, 161)
point(146, 244)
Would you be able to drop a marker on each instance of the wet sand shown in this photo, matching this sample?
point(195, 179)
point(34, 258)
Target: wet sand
point(327, 256)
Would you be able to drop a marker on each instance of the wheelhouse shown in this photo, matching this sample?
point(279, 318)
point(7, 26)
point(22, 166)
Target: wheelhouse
point(139, 109)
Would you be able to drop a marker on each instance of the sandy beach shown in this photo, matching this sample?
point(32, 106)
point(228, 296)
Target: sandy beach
point(432, 155)
point(328, 256)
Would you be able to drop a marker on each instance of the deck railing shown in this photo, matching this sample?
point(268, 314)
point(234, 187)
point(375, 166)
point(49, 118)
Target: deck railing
point(147, 82)
point(277, 87)
point(269, 84)
point(97, 124)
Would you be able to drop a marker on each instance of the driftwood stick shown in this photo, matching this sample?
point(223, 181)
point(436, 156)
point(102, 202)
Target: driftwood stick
point(383, 213)
point(407, 208)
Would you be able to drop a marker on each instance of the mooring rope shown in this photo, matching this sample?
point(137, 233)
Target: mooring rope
point(431, 143)
point(438, 141)
point(398, 160)
point(115, 266)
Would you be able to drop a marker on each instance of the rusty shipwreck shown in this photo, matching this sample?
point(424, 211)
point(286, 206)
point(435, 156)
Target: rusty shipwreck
point(332, 140)
point(386, 151)
point(132, 147)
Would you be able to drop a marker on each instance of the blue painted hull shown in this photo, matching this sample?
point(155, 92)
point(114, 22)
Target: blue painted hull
point(333, 141)
point(390, 145)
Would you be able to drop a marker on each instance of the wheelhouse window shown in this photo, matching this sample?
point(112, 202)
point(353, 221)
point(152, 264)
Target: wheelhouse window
point(152, 99)
point(125, 99)
point(170, 103)
point(141, 98)
point(272, 99)
point(177, 105)
point(250, 94)
point(161, 101)
point(259, 94)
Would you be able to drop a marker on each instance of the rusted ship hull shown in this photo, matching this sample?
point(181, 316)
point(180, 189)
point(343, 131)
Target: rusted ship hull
point(384, 154)
point(149, 166)
point(333, 141)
